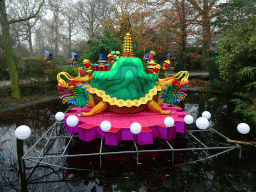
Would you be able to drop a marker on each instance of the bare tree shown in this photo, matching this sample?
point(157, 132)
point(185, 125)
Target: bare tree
point(24, 29)
point(90, 15)
point(5, 25)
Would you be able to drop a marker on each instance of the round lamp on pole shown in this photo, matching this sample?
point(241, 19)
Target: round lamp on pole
point(22, 132)
point(59, 116)
point(135, 128)
point(169, 121)
point(206, 114)
point(243, 128)
point(202, 123)
point(188, 119)
point(72, 120)
point(105, 126)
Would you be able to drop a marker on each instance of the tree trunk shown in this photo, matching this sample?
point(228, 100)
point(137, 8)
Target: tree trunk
point(69, 36)
point(30, 39)
point(9, 53)
point(206, 40)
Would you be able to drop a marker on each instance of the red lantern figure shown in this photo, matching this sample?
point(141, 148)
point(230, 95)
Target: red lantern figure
point(150, 71)
point(89, 74)
point(166, 64)
point(110, 58)
point(87, 64)
point(82, 73)
point(156, 69)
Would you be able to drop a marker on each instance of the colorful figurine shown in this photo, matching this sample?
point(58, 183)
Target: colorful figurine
point(111, 58)
point(102, 56)
point(151, 55)
point(169, 56)
point(166, 64)
point(87, 64)
point(48, 56)
point(74, 59)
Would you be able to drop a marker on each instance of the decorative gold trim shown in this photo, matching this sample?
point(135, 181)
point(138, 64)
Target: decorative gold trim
point(128, 102)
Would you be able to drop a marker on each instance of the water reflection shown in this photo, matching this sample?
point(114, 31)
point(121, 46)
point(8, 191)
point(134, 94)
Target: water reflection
point(190, 171)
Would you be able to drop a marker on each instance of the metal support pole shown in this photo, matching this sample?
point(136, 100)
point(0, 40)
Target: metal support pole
point(172, 151)
point(240, 153)
point(100, 152)
point(67, 144)
point(19, 145)
point(137, 156)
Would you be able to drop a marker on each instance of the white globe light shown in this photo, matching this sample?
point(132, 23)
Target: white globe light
point(206, 114)
point(59, 116)
point(202, 123)
point(72, 120)
point(135, 128)
point(22, 132)
point(105, 126)
point(169, 121)
point(188, 119)
point(243, 128)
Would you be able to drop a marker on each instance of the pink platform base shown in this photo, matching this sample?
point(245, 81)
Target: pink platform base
point(152, 125)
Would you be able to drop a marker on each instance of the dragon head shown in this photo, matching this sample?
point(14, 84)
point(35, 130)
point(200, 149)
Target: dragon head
point(172, 87)
point(73, 93)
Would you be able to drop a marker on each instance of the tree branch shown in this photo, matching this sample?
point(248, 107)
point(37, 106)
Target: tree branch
point(27, 18)
point(196, 6)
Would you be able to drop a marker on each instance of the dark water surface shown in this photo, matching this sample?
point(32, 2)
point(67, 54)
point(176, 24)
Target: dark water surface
point(156, 172)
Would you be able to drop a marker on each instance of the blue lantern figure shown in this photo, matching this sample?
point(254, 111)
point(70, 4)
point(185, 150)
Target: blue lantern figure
point(48, 56)
point(169, 56)
point(74, 59)
point(102, 56)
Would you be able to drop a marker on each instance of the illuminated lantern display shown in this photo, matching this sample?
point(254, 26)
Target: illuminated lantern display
point(74, 59)
point(151, 66)
point(87, 64)
point(81, 71)
point(96, 67)
point(111, 58)
point(128, 49)
point(101, 65)
point(48, 56)
point(156, 69)
point(151, 55)
point(166, 64)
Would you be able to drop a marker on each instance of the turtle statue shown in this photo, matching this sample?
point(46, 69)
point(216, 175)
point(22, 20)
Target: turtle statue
point(125, 88)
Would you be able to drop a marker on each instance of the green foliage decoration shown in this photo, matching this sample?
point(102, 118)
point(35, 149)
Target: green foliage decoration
point(102, 44)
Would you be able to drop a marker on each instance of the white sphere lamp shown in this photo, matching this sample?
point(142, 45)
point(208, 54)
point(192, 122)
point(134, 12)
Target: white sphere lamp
point(22, 132)
point(59, 116)
point(243, 128)
point(188, 119)
point(72, 120)
point(202, 123)
point(206, 114)
point(169, 121)
point(135, 128)
point(105, 126)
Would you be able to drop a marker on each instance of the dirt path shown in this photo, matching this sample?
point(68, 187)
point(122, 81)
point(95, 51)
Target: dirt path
point(8, 82)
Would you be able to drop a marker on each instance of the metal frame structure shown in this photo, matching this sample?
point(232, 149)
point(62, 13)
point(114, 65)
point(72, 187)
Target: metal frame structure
point(71, 138)
point(59, 126)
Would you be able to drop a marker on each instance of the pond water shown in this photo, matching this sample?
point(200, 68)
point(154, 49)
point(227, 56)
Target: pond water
point(157, 173)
